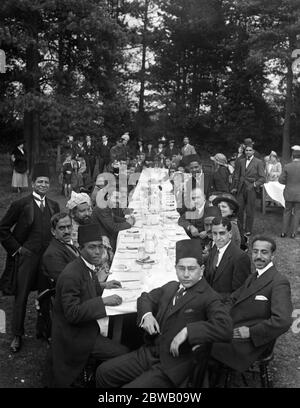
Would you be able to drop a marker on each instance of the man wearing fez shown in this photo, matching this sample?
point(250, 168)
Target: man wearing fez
point(76, 334)
point(176, 317)
point(25, 233)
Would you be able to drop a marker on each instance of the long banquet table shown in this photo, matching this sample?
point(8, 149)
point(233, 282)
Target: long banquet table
point(154, 208)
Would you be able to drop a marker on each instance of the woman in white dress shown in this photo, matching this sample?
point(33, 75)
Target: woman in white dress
point(20, 172)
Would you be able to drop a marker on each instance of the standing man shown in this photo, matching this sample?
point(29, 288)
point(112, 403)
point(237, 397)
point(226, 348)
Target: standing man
point(175, 317)
point(290, 176)
point(25, 233)
point(118, 152)
point(90, 155)
point(187, 148)
point(227, 266)
point(104, 154)
point(78, 305)
point(171, 150)
point(261, 310)
point(248, 175)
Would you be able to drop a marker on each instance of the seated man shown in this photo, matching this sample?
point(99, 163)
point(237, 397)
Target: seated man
point(261, 310)
point(77, 307)
point(206, 236)
point(60, 250)
point(227, 266)
point(80, 209)
point(191, 219)
point(176, 317)
point(111, 223)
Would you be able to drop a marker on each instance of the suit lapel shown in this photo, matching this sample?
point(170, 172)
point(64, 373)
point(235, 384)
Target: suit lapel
point(51, 206)
point(251, 164)
point(86, 276)
point(29, 210)
point(224, 261)
point(256, 285)
point(167, 300)
point(190, 294)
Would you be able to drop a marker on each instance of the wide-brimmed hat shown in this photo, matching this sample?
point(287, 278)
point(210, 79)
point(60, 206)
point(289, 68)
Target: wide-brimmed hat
point(220, 159)
point(228, 198)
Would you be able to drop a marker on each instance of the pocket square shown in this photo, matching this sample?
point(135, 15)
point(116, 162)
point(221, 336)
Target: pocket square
point(260, 297)
point(189, 311)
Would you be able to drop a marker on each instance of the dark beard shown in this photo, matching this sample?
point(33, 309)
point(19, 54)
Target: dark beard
point(85, 221)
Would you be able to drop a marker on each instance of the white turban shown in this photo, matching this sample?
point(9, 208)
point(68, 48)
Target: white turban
point(296, 147)
point(77, 199)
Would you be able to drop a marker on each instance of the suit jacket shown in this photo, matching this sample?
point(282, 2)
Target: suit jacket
point(77, 307)
point(290, 176)
point(200, 310)
point(20, 163)
point(267, 319)
point(110, 223)
point(56, 258)
point(243, 176)
point(16, 224)
point(104, 152)
point(233, 270)
point(219, 180)
point(171, 152)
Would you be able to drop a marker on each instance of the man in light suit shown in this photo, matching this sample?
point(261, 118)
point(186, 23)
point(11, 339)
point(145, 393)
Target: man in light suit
point(248, 176)
point(261, 310)
point(227, 266)
point(176, 317)
point(290, 176)
point(78, 305)
point(187, 148)
point(25, 233)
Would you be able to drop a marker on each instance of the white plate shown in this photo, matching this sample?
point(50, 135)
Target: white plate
point(120, 268)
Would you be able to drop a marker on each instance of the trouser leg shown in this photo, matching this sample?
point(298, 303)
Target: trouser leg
point(122, 370)
point(241, 201)
point(250, 209)
point(26, 276)
point(295, 218)
point(287, 214)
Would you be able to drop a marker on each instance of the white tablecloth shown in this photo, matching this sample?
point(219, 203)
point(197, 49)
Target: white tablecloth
point(275, 191)
point(161, 222)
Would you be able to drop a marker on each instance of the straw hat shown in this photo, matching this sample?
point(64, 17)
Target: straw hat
point(220, 159)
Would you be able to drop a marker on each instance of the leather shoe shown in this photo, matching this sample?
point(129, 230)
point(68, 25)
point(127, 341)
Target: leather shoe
point(283, 235)
point(16, 344)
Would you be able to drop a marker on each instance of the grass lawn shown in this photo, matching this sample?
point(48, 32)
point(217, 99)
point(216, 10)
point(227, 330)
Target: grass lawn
point(26, 368)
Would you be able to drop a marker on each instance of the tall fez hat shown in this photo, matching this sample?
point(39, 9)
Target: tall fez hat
point(212, 211)
point(189, 248)
point(89, 233)
point(40, 170)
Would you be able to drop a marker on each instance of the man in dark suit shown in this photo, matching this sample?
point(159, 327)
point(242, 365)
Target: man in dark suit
point(227, 266)
point(60, 251)
point(25, 233)
point(261, 310)
point(104, 154)
point(290, 176)
point(76, 334)
point(247, 177)
point(176, 317)
point(171, 150)
point(90, 155)
point(110, 222)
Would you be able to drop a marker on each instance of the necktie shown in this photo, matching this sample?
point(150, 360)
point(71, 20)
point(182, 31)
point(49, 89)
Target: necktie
point(96, 281)
point(215, 260)
point(42, 203)
point(179, 294)
point(253, 278)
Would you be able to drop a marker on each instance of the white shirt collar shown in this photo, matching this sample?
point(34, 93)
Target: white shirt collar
point(249, 159)
point(38, 197)
point(261, 271)
point(221, 252)
point(90, 266)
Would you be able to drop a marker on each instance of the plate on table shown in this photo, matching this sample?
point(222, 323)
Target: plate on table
point(146, 261)
point(120, 268)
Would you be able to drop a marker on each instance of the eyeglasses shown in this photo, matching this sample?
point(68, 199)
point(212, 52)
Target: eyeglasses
point(182, 268)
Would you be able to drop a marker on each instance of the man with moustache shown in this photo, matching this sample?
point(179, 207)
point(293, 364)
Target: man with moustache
point(261, 310)
point(177, 316)
point(78, 304)
point(80, 208)
point(25, 233)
